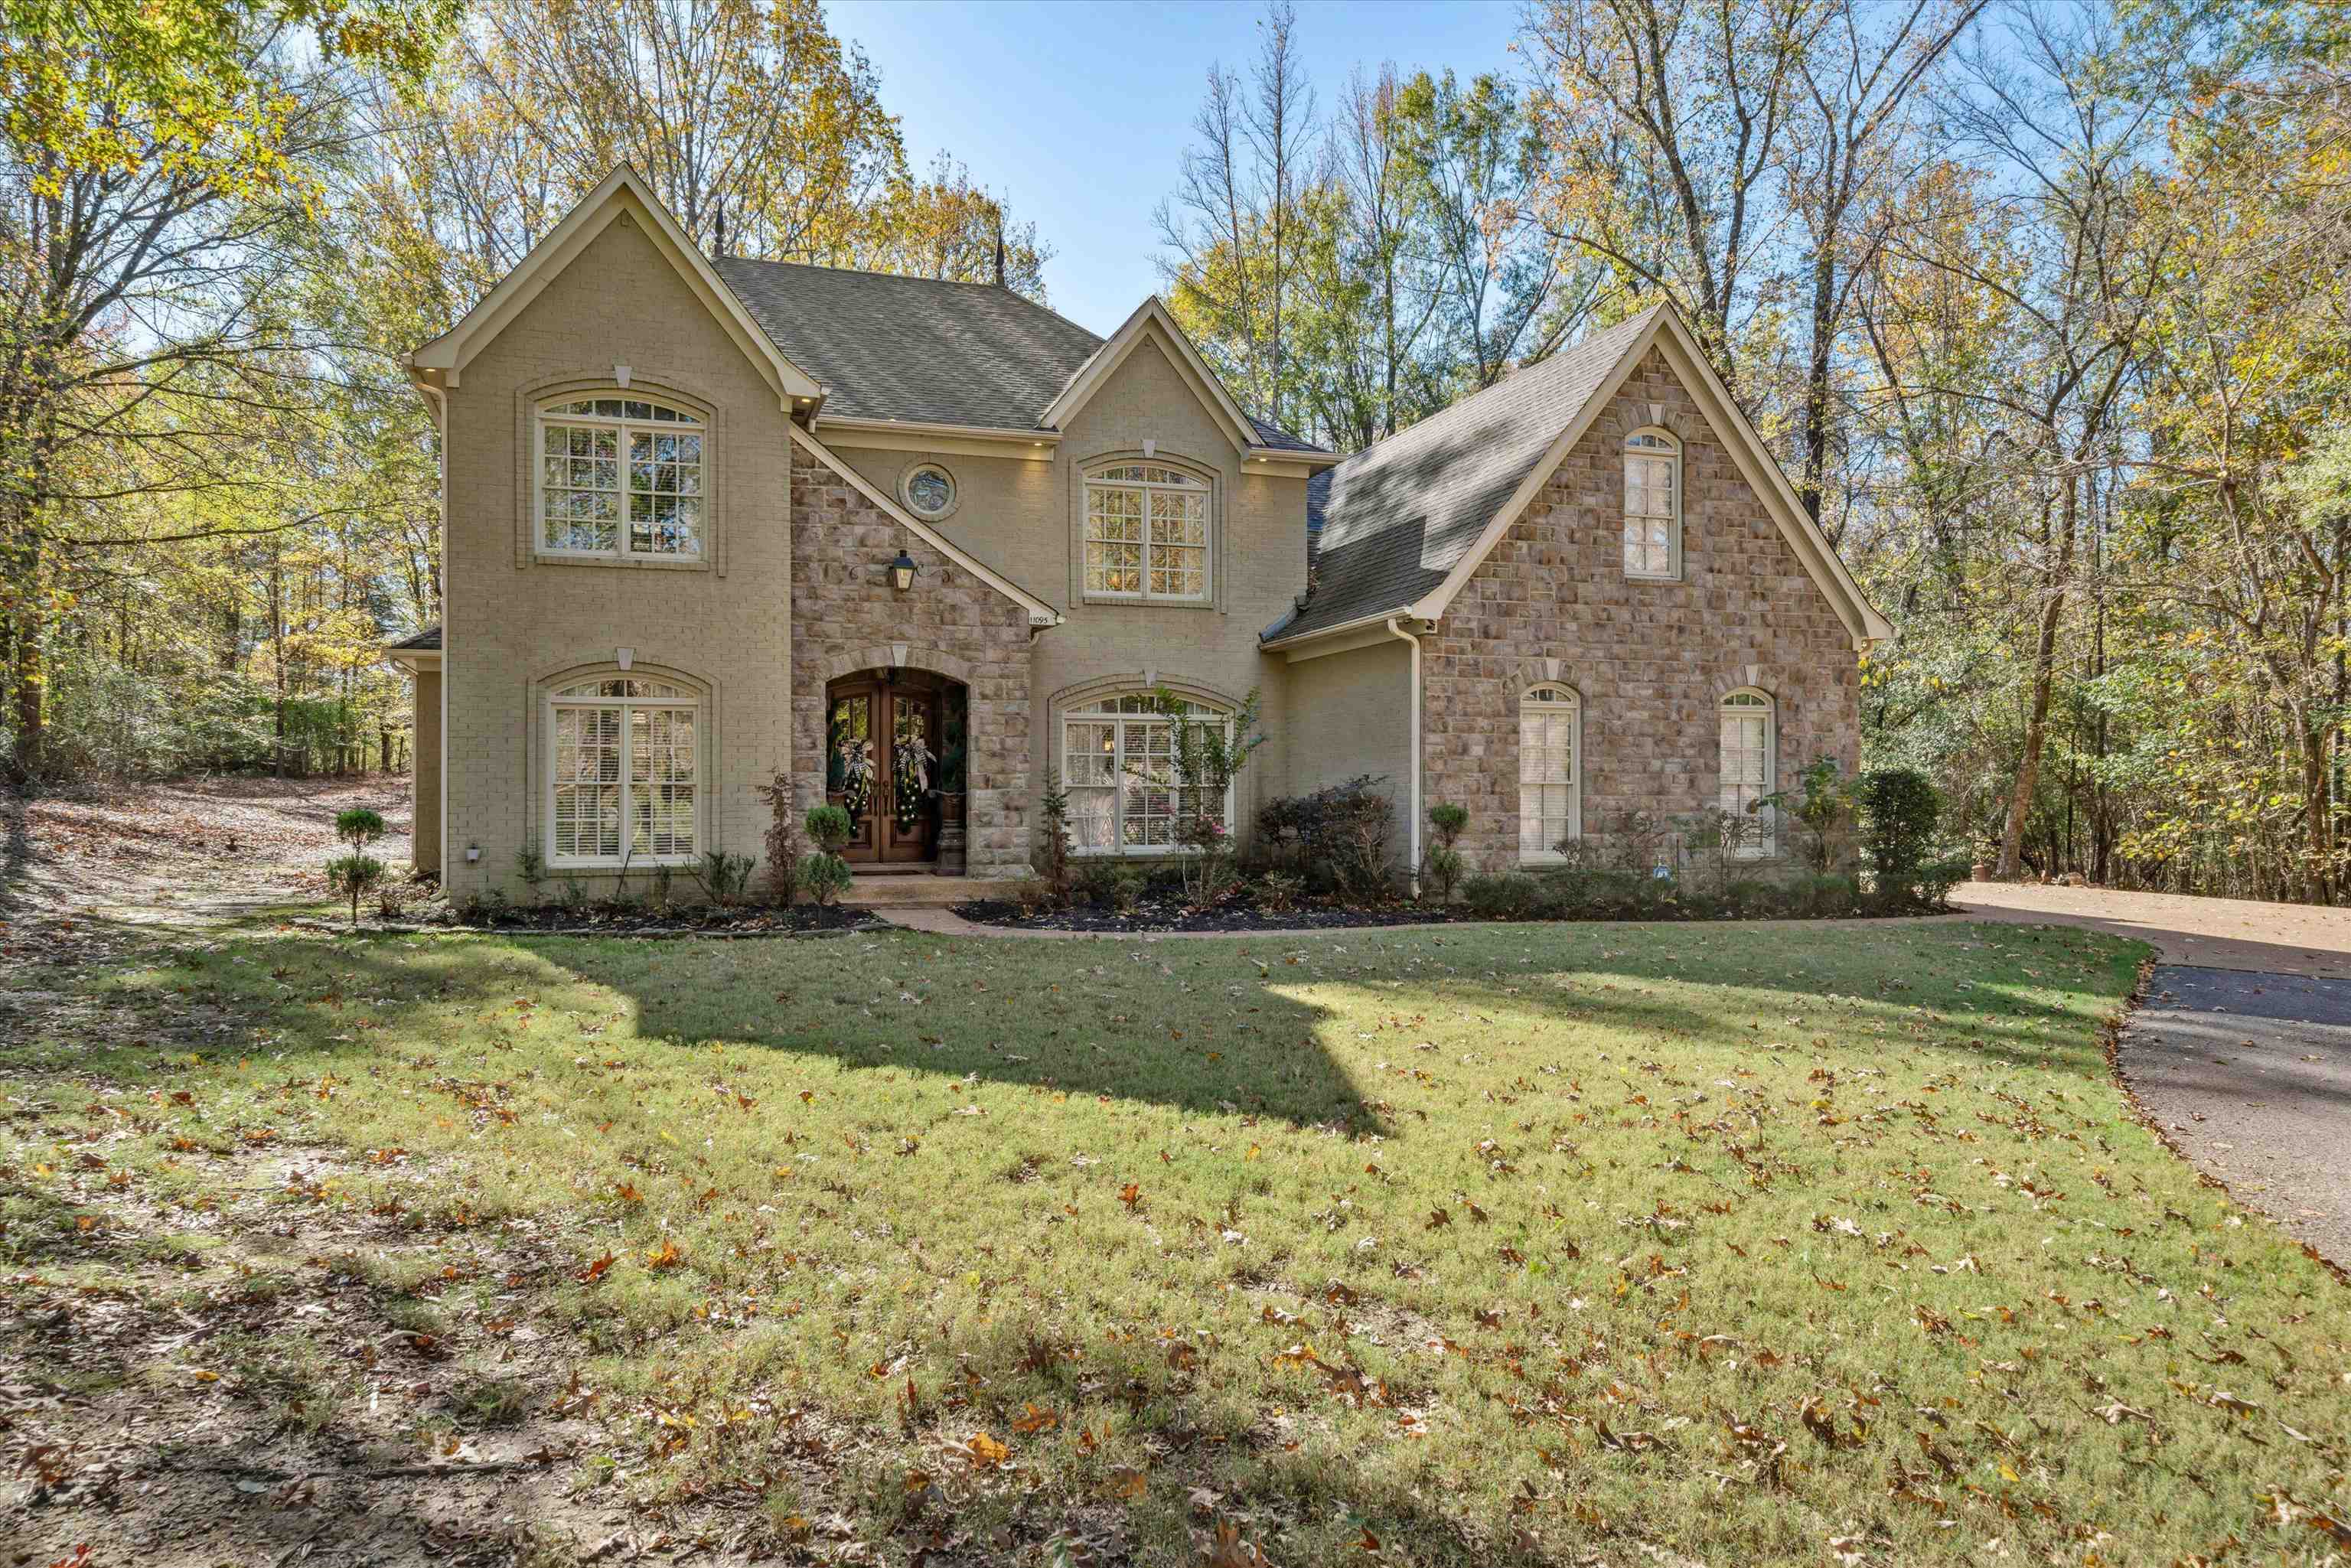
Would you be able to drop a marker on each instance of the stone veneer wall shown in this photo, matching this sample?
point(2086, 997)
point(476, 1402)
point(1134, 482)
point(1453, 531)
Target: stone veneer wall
point(1652, 660)
point(846, 617)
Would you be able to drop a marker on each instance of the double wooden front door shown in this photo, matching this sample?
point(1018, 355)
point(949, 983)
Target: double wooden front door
point(881, 766)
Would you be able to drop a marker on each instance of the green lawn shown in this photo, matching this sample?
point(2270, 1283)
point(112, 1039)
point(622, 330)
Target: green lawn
point(1756, 1244)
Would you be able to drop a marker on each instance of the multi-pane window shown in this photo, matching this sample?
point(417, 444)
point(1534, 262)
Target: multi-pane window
point(620, 476)
point(1746, 768)
point(1653, 505)
point(1146, 533)
point(1118, 764)
point(1549, 797)
point(622, 763)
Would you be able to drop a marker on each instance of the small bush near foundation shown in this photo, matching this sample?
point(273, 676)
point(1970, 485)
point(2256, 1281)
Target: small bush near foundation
point(830, 826)
point(1336, 837)
point(825, 876)
point(1441, 868)
point(1504, 895)
point(724, 877)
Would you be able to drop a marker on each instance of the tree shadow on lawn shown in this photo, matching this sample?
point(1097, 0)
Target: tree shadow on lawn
point(1234, 1027)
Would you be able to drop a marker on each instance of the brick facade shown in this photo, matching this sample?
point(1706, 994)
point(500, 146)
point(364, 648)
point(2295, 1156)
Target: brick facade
point(845, 616)
point(1651, 661)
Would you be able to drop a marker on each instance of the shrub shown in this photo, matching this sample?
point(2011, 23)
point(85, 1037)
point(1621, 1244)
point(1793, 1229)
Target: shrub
point(530, 865)
point(664, 880)
point(1931, 884)
point(1095, 881)
point(1126, 888)
point(1442, 865)
point(1504, 895)
point(1053, 854)
point(1277, 892)
point(830, 826)
point(825, 875)
point(783, 844)
point(356, 871)
point(1900, 809)
point(724, 877)
point(572, 894)
point(1336, 837)
point(1821, 806)
point(354, 874)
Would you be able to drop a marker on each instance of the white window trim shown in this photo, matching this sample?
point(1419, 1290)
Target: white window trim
point(1093, 713)
point(1203, 485)
point(545, 414)
point(1575, 741)
point(1765, 845)
point(556, 700)
point(1674, 529)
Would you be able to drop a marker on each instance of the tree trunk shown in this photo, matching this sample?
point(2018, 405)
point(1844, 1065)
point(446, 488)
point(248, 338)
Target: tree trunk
point(2044, 677)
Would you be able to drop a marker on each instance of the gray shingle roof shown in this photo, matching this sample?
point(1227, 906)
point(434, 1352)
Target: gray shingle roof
point(1395, 518)
point(426, 641)
point(919, 350)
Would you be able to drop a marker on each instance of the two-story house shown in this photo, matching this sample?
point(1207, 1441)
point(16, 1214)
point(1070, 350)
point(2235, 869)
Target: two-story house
point(923, 546)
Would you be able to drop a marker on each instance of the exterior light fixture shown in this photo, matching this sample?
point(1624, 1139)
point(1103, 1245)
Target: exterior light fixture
point(902, 572)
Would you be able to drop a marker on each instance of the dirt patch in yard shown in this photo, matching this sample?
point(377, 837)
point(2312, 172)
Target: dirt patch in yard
point(188, 852)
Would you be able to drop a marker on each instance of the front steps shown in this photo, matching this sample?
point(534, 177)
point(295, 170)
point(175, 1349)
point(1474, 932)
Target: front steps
point(884, 890)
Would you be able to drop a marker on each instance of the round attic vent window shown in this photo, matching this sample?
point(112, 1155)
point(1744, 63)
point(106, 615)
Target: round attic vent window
point(930, 491)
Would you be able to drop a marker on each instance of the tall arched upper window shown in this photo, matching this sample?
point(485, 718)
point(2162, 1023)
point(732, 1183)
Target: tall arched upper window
point(1146, 533)
point(1748, 768)
point(1550, 792)
point(623, 771)
point(1653, 505)
point(620, 476)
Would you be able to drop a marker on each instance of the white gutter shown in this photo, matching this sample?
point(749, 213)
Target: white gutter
point(1413, 783)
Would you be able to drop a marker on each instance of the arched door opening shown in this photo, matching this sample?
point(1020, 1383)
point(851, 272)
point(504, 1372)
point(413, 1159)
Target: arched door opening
point(894, 761)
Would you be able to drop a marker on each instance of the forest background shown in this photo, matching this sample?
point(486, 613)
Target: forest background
point(2042, 309)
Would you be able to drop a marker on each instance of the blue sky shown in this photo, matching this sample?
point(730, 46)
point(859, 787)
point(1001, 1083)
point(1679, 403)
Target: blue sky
point(1078, 113)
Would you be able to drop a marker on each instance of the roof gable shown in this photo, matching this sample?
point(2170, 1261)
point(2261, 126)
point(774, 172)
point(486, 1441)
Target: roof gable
point(1153, 323)
point(1404, 524)
point(618, 194)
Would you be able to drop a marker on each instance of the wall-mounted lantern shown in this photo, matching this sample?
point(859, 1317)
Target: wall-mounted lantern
point(902, 572)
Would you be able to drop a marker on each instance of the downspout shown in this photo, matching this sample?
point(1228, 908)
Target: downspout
point(439, 398)
point(1412, 788)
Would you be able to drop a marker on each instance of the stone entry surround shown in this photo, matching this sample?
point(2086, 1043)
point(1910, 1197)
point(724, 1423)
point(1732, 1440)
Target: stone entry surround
point(846, 617)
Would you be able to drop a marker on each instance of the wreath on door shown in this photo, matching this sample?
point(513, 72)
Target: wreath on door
point(910, 780)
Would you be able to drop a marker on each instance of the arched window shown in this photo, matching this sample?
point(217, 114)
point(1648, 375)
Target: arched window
point(1653, 505)
point(620, 476)
point(1146, 533)
point(1748, 768)
point(623, 768)
point(1118, 764)
point(1551, 794)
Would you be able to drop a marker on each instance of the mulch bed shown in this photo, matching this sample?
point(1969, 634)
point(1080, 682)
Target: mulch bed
point(1156, 915)
point(554, 920)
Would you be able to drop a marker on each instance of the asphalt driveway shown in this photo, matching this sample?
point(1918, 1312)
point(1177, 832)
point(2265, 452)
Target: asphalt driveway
point(2251, 1072)
point(2241, 1050)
